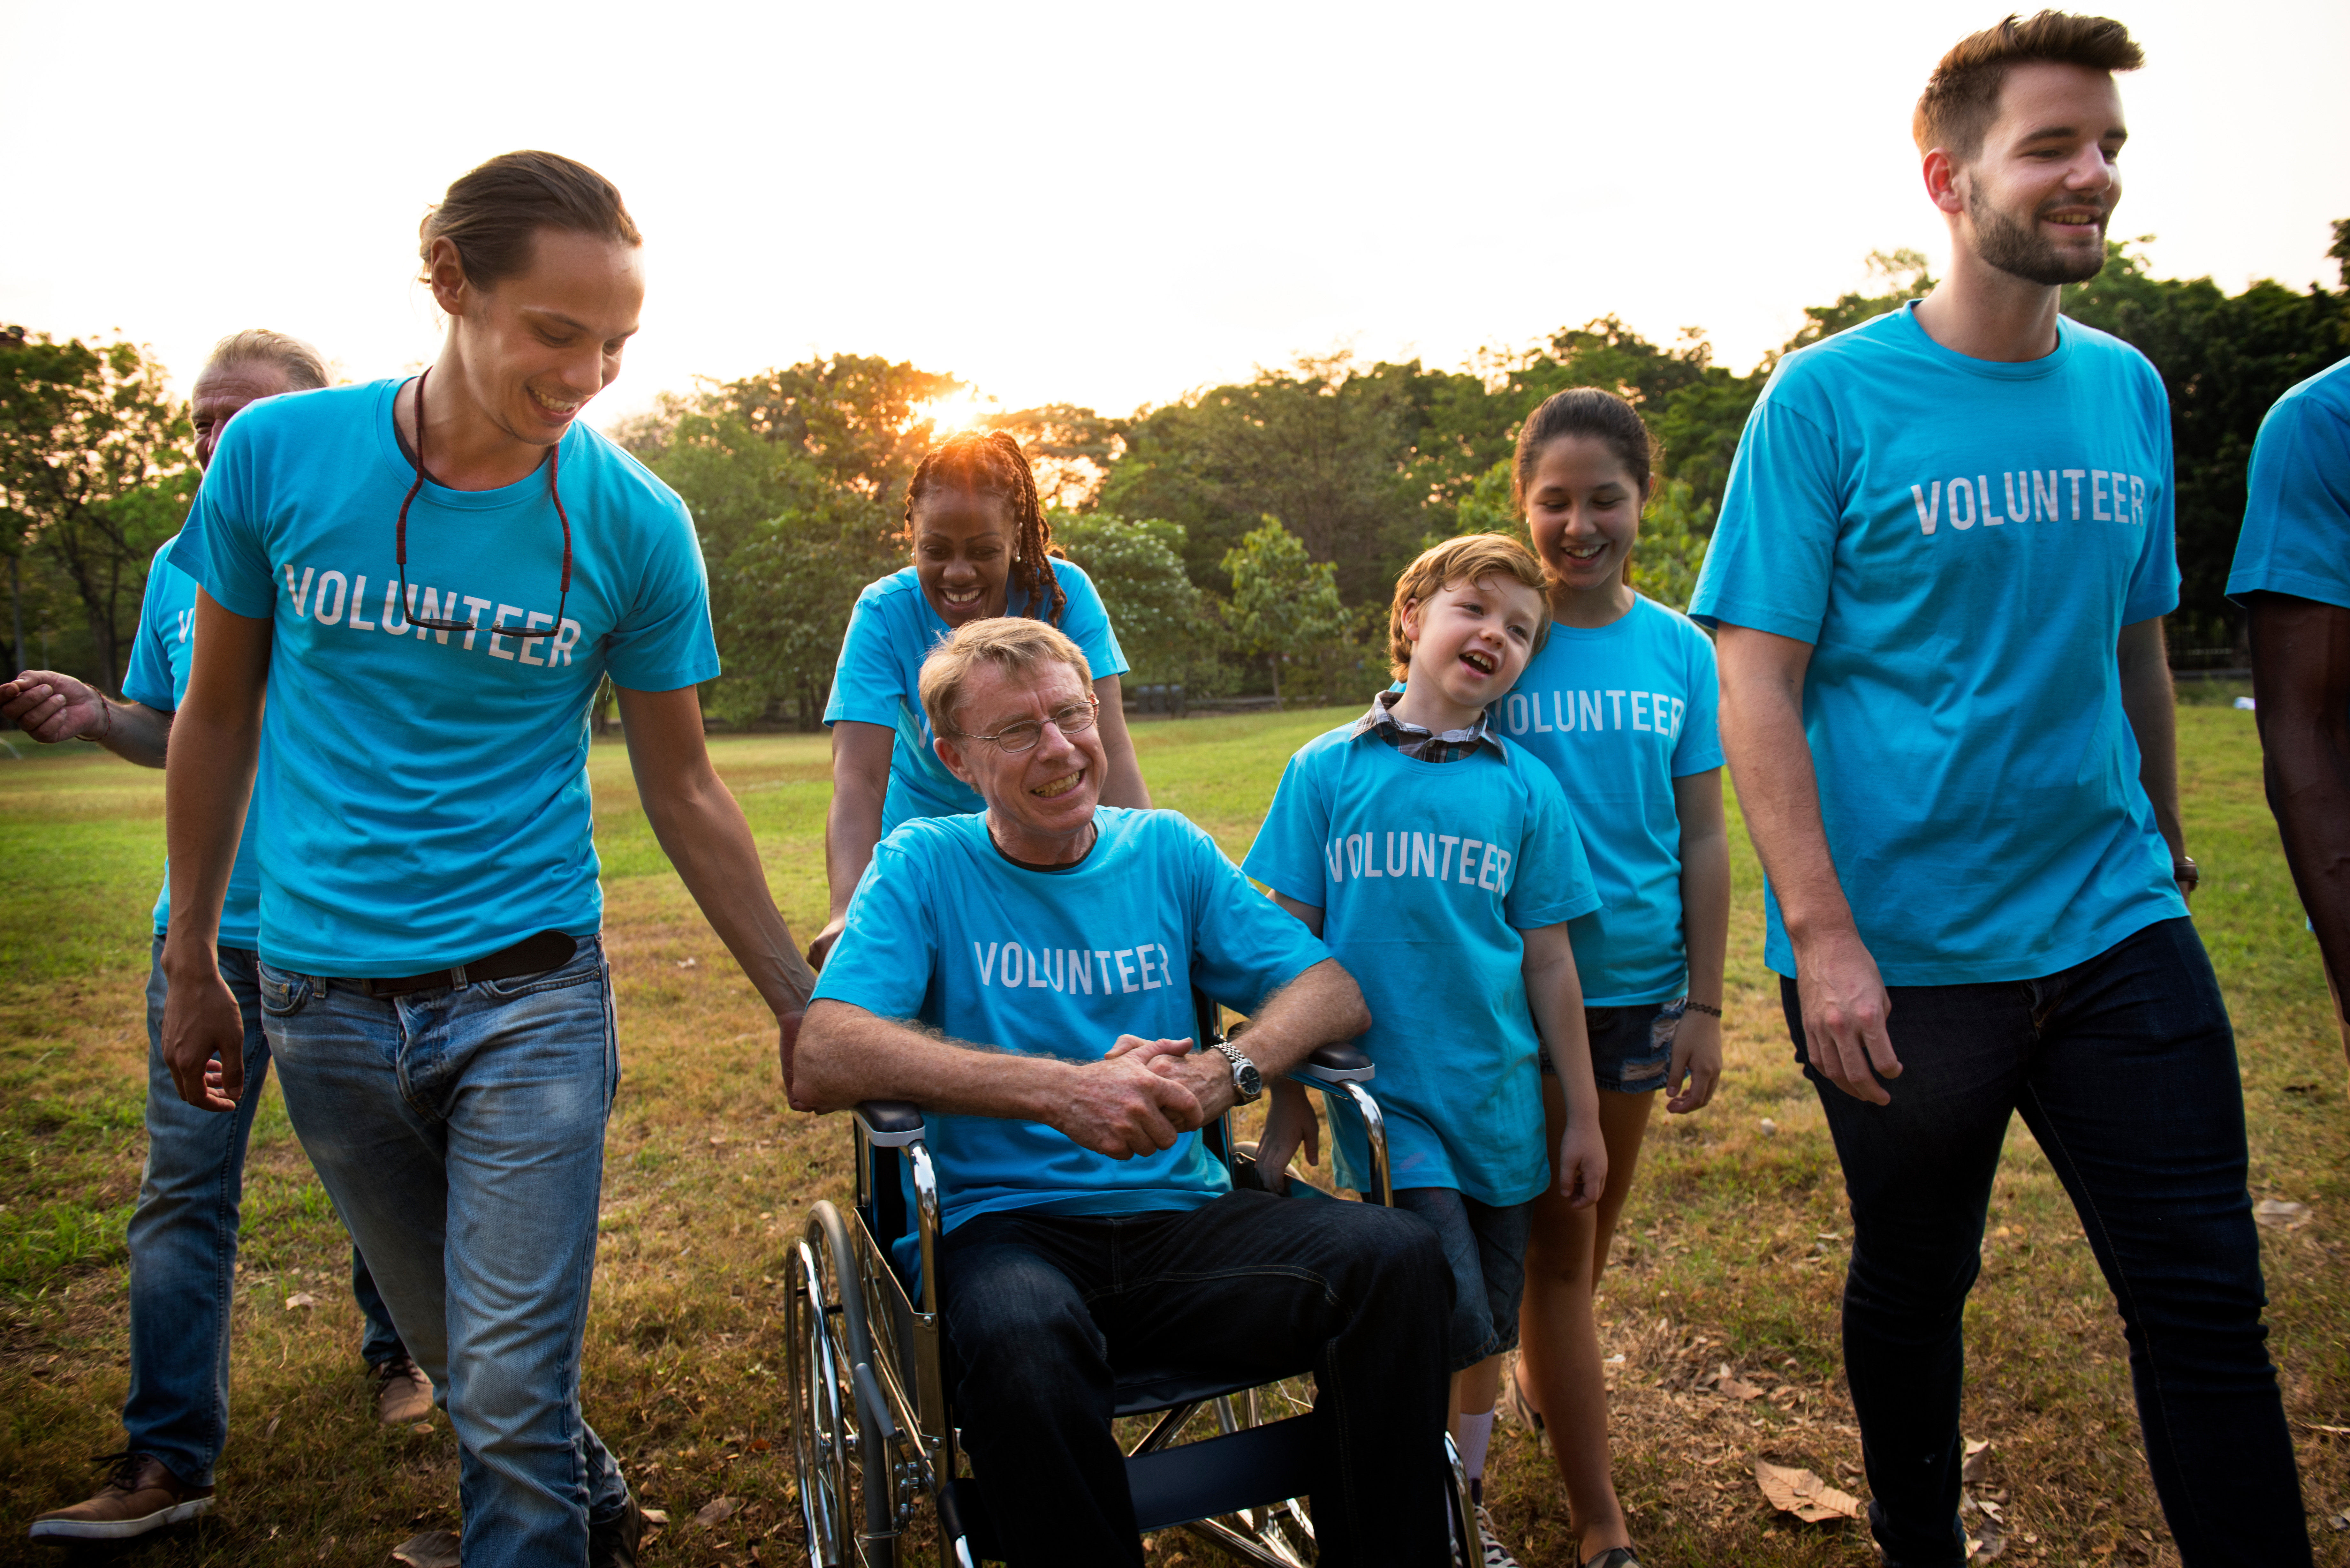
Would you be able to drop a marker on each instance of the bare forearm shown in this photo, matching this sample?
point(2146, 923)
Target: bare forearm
point(702, 831)
point(852, 823)
point(2152, 707)
point(1779, 792)
point(207, 783)
point(136, 732)
point(847, 1054)
point(1704, 882)
point(1554, 991)
point(1321, 1007)
point(1124, 785)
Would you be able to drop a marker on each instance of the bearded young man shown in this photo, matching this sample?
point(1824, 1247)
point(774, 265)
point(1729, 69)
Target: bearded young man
point(1939, 584)
point(430, 576)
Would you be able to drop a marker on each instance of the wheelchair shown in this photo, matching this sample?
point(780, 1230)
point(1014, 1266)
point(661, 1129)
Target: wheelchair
point(874, 1428)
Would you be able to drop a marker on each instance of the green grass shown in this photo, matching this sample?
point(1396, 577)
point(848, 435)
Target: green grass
point(1731, 1251)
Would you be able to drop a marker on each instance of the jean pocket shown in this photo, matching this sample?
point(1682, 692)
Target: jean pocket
point(281, 994)
point(583, 968)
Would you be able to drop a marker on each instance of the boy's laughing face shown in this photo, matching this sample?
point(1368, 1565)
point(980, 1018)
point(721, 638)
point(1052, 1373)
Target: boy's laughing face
point(1470, 641)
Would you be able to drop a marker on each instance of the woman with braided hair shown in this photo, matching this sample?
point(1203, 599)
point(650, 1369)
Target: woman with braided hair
point(981, 547)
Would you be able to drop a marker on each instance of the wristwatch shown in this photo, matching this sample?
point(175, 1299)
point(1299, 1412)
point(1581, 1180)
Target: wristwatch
point(1247, 1082)
point(2185, 872)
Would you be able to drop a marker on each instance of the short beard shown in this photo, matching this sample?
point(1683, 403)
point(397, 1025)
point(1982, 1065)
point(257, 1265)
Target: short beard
point(2023, 253)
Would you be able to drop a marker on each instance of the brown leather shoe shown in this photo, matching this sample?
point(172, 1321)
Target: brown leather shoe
point(403, 1394)
point(142, 1494)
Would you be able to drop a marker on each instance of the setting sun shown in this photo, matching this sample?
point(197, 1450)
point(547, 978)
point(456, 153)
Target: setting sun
point(955, 411)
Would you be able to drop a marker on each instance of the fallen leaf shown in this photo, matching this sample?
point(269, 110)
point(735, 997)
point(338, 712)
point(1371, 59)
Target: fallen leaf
point(1987, 1545)
point(2322, 1426)
point(300, 1298)
point(1769, 1128)
point(759, 1445)
point(422, 1428)
point(1973, 1468)
point(717, 1511)
point(1738, 1389)
point(688, 963)
point(2281, 1214)
point(433, 1549)
point(655, 1515)
point(2341, 1521)
point(1803, 1494)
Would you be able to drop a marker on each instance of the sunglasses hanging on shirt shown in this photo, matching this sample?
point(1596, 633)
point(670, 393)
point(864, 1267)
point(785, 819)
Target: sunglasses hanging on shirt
point(400, 539)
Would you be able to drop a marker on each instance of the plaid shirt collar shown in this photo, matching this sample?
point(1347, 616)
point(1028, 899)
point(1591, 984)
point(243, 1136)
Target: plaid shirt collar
point(1413, 741)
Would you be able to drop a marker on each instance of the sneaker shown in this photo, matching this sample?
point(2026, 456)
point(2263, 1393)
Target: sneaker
point(403, 1394)
point(612, 1543)
point(141, 1495)
point(1496, 1554)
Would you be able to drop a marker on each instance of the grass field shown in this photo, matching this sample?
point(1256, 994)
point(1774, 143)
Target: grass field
point(1731, 1249)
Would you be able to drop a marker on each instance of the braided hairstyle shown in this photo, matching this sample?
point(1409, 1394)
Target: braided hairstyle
point(991, 463)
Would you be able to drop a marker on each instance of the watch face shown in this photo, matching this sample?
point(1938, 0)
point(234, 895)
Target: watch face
point(1252, 1082)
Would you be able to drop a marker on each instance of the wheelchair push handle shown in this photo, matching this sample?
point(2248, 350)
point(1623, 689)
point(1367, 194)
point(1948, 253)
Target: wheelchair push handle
point(1342, 1063)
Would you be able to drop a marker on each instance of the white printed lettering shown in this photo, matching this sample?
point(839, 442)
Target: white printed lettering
point(1013, 952)
point(1166, 965)
point(1081, 972)
point(1142, 957)
point(1335, 852)
point(1398, 860)
point(359, 602)
point(2138, 500)
point(1371, 854)
point(432, 612)
point(1125, 971)
point(1444, 866)
point(1983, 488)
point(1104, 957)
point(1679, 707)
point(986, 959)
point(538, 618)
point(1587, 711)
point(1056, 969)
point(1467, 846)
point(1501, 872)
point(566, 637)
point(319, 612)
point(391, 607)
point(1485, 866)
point(2097, 496)
point(1928, 510)
point(475, 607)
point(296, 595)
point(1540, 728)
point(2075, 475)
point(1035, 974)
point(1423, 855)
point(2044, 501)
point(1616, 701)
point(1639, 709)
point(1515, 709)
point(2007, 488)
point(1354, 854)
point(1962, 487)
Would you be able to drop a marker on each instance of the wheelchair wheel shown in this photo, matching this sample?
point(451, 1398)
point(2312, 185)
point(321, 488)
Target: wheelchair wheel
point(823, 1327)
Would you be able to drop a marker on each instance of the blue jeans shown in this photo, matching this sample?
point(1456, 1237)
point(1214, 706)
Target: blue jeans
point(1044, 1311)
point(1485, 1250)
point(182, 1243)
point(461, 1134)
point(2124, 1067)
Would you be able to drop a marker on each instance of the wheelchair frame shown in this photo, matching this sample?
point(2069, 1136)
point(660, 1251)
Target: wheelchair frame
point(873, 1430)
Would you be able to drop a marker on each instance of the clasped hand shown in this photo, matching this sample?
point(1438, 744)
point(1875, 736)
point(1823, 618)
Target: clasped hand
point(1137, 1100)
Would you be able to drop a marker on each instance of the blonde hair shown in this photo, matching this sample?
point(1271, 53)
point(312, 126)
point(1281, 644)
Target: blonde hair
point(1013, 644)
point(305, 366)
point(1462, 560)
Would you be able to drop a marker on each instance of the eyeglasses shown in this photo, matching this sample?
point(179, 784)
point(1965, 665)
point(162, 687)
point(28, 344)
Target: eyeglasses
point(399, 540)
point(1016, 739)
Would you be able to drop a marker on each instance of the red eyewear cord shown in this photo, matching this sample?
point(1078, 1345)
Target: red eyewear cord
point(399, 541)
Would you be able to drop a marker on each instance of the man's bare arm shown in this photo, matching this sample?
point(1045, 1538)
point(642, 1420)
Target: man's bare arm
point(852, 823)
point(207, 782)
point(1117, 1107)
point(1844, 999)
point(2152, 707)
point(2300, 681)
point(52, 707)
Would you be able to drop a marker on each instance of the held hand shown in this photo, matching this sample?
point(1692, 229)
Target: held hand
point(787, 1039)
point(1697, 1062)
point(1582, 1163)
point(1121, 1107)
point(200, 1022)
point(1844, 1013)
point(1289, 1128)
point(51, 707)
point(821, 943)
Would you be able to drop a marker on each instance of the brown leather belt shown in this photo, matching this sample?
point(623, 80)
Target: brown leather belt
point(532, 955)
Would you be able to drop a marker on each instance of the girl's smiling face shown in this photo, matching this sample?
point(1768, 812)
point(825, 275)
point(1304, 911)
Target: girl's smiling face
point(1583, 508)
point(962, 553)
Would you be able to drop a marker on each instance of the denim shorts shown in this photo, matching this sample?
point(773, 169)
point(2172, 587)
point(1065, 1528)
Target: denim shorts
point(1486, 1250)
point(1631, 1047)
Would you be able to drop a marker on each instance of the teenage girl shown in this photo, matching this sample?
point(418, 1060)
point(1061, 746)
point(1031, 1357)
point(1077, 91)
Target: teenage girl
point(981, 547)
point(1620, 703)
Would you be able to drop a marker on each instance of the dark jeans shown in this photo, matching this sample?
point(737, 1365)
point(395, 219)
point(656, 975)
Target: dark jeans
point(1044, 1312)
point(2124, 1067)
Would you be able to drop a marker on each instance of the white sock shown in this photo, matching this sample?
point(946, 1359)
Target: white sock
point(1476, 1435)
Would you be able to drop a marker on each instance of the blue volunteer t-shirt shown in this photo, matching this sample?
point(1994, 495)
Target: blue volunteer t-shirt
point(1961, 540)
point(2296, 537)
point(1617, 714)
point(1425, 873)
point(426, 791)
point(946, 932)
point(161, 654)
point(879, 679)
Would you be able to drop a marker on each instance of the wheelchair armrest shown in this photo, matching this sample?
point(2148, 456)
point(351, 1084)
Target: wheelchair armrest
point(1344, 1063)
point(889, 1124)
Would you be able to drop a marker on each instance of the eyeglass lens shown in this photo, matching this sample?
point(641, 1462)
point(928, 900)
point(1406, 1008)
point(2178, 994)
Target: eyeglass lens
point(1074, 719)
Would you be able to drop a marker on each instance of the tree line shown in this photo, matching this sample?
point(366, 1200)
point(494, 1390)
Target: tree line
point(1244, 537)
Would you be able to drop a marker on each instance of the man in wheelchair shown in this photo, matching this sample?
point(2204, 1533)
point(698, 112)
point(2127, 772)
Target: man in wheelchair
point(1025, 976)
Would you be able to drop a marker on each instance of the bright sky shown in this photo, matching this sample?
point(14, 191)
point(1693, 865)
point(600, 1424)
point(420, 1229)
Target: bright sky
point(1106, 205)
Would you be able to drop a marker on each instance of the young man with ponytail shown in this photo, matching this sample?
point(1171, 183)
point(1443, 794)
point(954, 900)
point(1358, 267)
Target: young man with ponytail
point(1939, 580)
point(432, 575)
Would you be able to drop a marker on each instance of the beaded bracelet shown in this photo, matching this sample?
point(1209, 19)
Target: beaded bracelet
point(1702, 1007)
